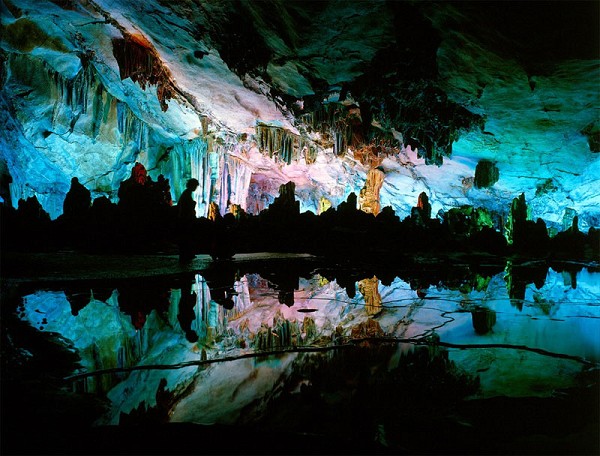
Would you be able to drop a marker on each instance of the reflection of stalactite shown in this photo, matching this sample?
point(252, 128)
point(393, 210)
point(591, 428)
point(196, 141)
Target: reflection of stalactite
point(282, 334)
point(369, 328)
point(309, 328)
point(369, 288)
point(483, 320)
point(104, 356)
point(211, 318)
point(369, 195)
point(241, 298)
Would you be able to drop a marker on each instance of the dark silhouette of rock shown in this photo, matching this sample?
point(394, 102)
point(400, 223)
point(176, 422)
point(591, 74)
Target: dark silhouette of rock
point(483, 320)
point(486, 174)
point(138, 298)
point(186, 217)
point(104, 221)
point(515, 227)
point(31, 210)
point(78, 200)
point(186, 313)
point(285, 205)
point(421, 214)
point(78, 298)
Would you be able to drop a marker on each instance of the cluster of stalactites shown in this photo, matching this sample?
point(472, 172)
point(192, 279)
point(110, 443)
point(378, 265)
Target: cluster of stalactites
point(139, 61)
point(341, 127)
point(74, 92)
point(224, 177)
point(71, 96)
point(86, 91)
point(131, 128)
point(337, 124)
point(279, 142)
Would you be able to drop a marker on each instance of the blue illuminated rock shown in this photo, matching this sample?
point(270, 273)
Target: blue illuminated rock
point(246, 99)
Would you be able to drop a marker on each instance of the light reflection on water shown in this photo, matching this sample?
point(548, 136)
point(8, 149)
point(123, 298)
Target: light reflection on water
point(516, 337)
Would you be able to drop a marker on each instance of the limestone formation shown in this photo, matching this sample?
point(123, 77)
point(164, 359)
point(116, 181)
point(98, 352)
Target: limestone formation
point(486, 174)
point(421, 213)
point(285, 205)
point(369, 288)
point(515, 224)
point(369, 194)
point(278, 142)
point(368, 328)
point(139, 61)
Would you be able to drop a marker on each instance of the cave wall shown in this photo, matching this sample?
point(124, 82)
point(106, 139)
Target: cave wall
point(246, 100)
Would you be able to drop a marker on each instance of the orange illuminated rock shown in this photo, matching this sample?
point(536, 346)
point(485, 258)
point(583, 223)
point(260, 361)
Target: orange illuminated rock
point(370, 290)
point(369, 195)
point(369, 328)
point(139, 61)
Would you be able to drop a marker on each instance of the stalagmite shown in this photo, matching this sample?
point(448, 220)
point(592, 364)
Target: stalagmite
point(515, 223)
point(324, 204)
point(369, 195)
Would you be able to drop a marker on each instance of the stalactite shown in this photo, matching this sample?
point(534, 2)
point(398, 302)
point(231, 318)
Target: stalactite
point(73, 92)
point(189, 159)
point(197, 150)
point(133, 130)
point(139, 61)
point(72, 97)
point(338, 122)
point(311, 154)
point(278, 142)
point(240, 176)
point(224, 186)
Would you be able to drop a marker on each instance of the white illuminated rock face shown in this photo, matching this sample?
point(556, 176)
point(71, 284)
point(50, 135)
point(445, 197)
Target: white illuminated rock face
point(63, 117)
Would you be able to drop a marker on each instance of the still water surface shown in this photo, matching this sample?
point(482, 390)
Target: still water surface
point(289, 343)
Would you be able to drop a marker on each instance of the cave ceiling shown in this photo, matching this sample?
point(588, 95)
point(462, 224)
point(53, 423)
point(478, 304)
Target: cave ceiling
point(318, 92)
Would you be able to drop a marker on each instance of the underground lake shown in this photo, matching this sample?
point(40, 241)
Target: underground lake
point(287, 353)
